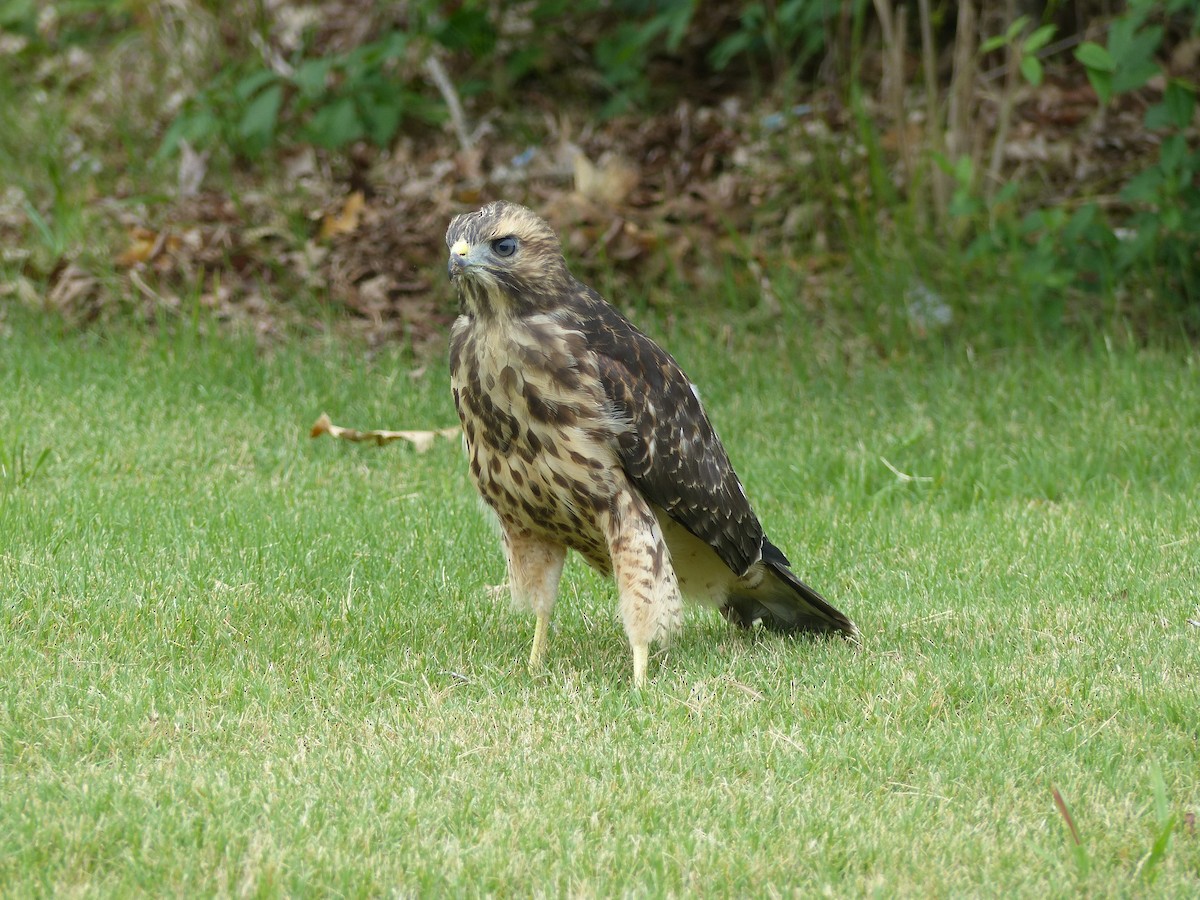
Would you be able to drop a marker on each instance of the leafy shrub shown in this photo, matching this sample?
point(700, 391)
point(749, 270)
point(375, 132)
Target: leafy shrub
point(330, 101)
point(782, 36)
point(1152, 238)
point(368, 92)
point(1161, 239)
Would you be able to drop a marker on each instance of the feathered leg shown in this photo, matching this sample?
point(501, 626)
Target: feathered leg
point(650, 603)
point(534, 569)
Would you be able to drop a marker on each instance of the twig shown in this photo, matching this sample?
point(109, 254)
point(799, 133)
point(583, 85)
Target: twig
point(960, 140)
point(441, 80)
point(1008, 100)
point(933, 117)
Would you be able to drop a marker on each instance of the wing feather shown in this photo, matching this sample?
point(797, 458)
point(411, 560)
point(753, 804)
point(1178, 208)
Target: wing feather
point(670, 450)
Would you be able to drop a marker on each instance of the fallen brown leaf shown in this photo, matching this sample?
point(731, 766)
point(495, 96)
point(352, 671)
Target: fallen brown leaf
point(421, 440)
point(608, 183)
point(145, 245)
point(346, 220)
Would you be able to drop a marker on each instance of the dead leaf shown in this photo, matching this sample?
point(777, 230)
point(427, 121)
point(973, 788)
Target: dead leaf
point(140, 249)
point(610, 182)
point(145, 245)
point(74, 292)
point(346, 220)
point(421, 440)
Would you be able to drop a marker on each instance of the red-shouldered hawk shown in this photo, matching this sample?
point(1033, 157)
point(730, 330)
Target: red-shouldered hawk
point(583, 433)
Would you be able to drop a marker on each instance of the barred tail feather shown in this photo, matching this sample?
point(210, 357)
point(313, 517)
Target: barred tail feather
point(784, 603)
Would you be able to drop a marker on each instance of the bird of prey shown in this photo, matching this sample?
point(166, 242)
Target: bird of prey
point(584, 434)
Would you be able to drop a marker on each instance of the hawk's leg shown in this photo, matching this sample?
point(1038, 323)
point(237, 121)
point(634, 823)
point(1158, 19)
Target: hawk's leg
point(650, 603)
point(534, 569)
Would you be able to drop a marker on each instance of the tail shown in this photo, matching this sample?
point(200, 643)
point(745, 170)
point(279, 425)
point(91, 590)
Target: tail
point(784, 603)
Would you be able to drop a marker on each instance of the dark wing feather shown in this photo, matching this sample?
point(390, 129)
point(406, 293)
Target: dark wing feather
point(671, 452)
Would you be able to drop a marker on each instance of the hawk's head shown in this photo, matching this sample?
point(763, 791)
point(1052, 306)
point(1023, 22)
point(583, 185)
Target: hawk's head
point(505, 258)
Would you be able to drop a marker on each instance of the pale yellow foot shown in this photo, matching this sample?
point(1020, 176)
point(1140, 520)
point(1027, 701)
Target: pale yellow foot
point(541, 634)
point(641, 656)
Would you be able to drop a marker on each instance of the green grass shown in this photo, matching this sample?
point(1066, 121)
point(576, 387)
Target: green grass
point(238, 661)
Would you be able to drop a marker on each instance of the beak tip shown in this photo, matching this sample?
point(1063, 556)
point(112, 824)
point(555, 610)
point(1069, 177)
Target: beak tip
point(458, 258)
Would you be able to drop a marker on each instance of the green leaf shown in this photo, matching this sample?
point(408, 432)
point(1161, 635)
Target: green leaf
point(993, 43)
point(311, 77)
point(1180, 101)
point(1101, 84)
point(1038, 39)
point(1139, 47)
point(257, 125)
point(17, 13)
point(1172, 153)
point(381, 114)
point(468, 29)
point(1015, 28)
point(336, 124)
point(1095, 57)
point(1031, 70)
point(252, 83)
point(1080, 223)
point(964, 170)
point(1143, 187)
point(730, 48)
point(1134, 75)
point(196, 127)
point(678, 19)
point(1005, 194)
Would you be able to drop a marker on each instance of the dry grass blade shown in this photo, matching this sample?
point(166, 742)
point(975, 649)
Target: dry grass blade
point(1066, 814)
point(421, 440)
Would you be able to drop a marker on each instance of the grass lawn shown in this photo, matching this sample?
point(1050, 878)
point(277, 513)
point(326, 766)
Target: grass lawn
point(239, 661)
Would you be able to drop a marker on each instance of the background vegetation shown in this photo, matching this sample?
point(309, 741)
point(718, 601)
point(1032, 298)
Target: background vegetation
point(991, 171)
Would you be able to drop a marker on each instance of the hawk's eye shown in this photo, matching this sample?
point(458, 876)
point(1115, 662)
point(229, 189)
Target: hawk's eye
point(505, 246)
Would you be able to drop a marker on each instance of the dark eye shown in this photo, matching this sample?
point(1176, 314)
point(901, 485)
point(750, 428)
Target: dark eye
point(505, 246)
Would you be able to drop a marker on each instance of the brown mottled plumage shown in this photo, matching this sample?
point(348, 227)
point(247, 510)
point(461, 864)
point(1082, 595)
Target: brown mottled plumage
point(583, 433)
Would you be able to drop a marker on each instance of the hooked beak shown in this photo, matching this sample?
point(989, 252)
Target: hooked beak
point(458, 258)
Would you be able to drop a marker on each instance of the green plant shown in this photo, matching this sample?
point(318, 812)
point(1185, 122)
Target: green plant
point(622, 54)
point(1161, 238)
point(65, 22)
point(1149, 865)
point(787, 34)
point(1048, 252)
point(1022, 50)
point(332, 101)
point(1043, 254)
point(783, 36)
point(16, 470)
